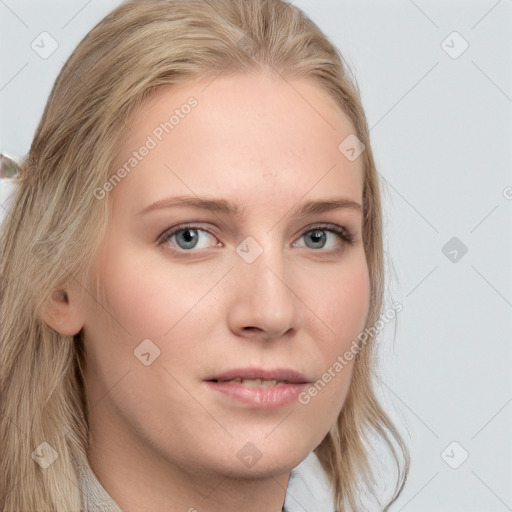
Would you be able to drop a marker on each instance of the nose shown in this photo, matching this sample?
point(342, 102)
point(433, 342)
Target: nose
point(264, 304)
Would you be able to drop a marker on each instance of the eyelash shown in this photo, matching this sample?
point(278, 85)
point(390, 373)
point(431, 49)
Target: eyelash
point(341, 231)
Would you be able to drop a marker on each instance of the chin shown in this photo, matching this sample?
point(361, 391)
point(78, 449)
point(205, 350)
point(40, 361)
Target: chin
point(270, 457)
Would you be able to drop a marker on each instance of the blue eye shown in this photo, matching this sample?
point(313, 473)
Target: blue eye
point(318, 235)
point(187, 237)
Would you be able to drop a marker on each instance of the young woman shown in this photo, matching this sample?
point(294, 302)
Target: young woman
point(192, 270)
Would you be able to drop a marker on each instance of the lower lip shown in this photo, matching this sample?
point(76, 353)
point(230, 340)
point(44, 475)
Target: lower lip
point(271, 397)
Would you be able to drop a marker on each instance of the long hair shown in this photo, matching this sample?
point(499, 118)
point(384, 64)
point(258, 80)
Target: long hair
point(55, 226)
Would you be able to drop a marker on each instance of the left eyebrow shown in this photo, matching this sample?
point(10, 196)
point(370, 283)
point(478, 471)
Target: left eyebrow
point(235, 210)
point(316, 207)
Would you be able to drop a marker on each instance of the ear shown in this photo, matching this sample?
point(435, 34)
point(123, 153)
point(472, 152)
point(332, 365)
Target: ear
point(64, 312)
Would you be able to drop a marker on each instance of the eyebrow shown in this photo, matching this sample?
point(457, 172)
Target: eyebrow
point(228, 208)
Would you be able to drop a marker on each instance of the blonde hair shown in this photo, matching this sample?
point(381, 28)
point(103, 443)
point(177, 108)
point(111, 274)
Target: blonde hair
point(55, 226)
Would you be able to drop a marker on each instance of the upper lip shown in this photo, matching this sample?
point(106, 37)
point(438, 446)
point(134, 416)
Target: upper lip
point(285, 374)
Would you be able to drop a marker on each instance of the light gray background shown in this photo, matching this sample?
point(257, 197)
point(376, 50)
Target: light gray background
point(441, 131)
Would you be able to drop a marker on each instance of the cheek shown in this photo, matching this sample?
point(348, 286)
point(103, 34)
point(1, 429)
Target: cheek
point(342, 302)
point(343, 308)
point(147, 297)
point(145, 301)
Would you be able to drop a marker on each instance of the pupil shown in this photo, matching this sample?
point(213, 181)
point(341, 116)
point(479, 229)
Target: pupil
point(317, 236)
point(188, 235)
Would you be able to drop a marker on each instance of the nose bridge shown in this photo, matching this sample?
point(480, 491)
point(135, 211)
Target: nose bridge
point(264, 298)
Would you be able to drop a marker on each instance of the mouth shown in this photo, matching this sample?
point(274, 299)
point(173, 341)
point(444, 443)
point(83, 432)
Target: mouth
point(260, 377)
point(258, 388)
point(253, 383)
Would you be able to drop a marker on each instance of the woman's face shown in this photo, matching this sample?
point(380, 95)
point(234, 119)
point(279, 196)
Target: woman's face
point(263, 291)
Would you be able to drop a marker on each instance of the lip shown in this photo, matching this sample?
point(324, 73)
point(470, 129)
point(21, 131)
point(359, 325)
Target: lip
point(286, 374)
point(271, 397)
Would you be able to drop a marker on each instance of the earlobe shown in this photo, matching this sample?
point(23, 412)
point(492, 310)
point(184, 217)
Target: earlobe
point(64, 313)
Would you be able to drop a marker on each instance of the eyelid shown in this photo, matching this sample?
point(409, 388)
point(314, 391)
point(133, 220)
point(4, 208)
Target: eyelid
point(345, 235)
point(168, 233)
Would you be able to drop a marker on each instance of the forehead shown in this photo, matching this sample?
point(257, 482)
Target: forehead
point(256, 138)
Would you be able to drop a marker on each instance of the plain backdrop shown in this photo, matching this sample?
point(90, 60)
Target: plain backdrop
point(436, 83)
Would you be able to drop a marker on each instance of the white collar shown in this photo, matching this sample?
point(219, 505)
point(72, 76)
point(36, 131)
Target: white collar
point(308, 489)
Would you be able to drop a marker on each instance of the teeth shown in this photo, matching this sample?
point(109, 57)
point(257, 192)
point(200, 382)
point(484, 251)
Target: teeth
point(252, 383)
point(267, 383)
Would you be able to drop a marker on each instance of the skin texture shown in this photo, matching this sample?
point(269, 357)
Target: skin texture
point(160, 439)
